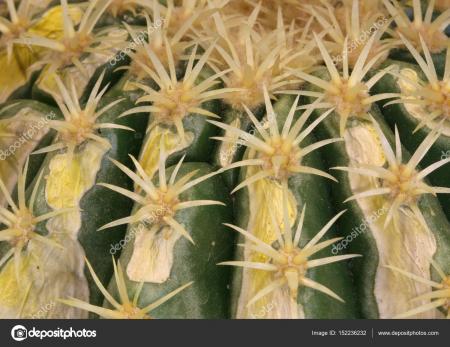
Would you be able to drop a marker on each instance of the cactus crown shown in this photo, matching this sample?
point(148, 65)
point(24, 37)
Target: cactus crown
point(74, 43)
point(160, 203)
point(80, 123)
point(401, 183)
point(348, 28)
point(20, 21)
point(254, 61)
point(20, 221)
point(278, 154)
point(433, 94)
point(439, 297)
point(124, 308)
point(348, 93)
point(289, 262)
point(422, 27)
point(159, 41)
point(177, 98)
